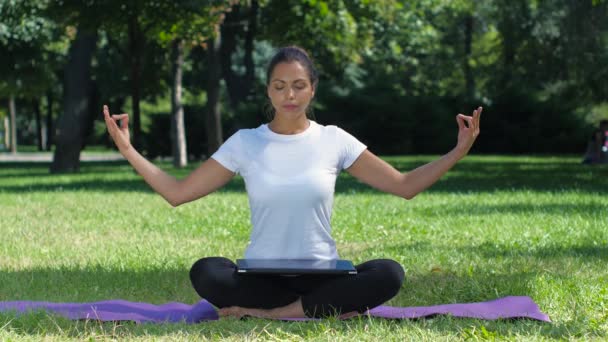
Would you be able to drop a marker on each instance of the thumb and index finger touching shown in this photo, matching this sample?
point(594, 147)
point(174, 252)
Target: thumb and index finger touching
point(470, 120)
point(124, 118)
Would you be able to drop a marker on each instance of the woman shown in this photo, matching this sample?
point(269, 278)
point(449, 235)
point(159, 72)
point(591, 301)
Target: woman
point(290, 167)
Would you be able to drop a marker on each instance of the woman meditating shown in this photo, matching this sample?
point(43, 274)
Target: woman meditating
point(290, 167)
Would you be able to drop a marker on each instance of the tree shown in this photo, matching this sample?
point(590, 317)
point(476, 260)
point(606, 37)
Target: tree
point(240, 24)
point(239, 20)
point(178, 131)
point(24, 34)
point(144, 22)
point(71, 126)
point(81, 22)
point(334, 31)
point(13, 124)
point(188, 24)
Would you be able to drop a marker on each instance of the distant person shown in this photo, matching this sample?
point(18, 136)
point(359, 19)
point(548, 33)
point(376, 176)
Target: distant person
point(597, 146)
point(290, 166)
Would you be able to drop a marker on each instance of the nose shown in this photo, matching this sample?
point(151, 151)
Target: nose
point(290, 93)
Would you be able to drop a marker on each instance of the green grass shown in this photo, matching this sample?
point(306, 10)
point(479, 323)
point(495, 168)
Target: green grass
point(492, 227)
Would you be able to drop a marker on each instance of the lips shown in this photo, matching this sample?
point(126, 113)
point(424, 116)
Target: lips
point(290, 107)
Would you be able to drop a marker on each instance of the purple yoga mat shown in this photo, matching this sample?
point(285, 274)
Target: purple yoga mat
point(120, 310)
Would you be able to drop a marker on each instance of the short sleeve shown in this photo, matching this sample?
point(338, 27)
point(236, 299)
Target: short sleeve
point(350, 148)
point(228, 155)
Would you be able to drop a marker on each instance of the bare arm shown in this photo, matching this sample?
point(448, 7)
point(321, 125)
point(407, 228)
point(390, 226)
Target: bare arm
point(372, 170)
point(207, 178)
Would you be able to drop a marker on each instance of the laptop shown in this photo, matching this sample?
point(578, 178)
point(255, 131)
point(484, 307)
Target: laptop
point(295, 266)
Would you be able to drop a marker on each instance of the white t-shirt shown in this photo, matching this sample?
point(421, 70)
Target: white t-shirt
point(290, 181)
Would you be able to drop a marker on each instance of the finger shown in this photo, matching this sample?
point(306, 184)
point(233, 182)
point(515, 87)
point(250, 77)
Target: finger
point(466, 119)
point(472, 124)
point(124, 119)
point(479, 110)
point(460, 121)
point(471, 120)
point(112, 127)
point(124, 123)
point(109, 122)
point(475, 114)
point(119, 116)
point(107, 118)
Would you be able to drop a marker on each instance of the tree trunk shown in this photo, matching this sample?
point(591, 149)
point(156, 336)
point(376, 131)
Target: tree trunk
point(40, 129)
point(13, 124)
point(178, 132)
point(49, 120)
point(213, 119)
point(238, 86)
point(135, 52)
point(69, 135)
point(7, 141)
point(468, 73)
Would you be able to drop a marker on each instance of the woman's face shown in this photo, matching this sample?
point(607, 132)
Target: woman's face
point(289, 89)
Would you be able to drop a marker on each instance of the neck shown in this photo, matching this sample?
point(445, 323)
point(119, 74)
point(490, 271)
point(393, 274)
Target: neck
point(288, 126)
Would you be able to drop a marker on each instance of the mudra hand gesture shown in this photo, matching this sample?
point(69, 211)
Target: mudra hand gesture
point(120, 134)
point(467, 133)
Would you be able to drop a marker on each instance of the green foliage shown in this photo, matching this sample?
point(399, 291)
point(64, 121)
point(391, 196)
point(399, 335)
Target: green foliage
point(336, 32)
point(26, 61)
point(393, 72)
point(193, 21)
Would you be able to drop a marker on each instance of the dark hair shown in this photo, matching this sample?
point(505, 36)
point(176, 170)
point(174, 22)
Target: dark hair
point(603, 123)
point(292, 54)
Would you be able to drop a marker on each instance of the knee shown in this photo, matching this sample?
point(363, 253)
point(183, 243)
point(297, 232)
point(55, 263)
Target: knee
point(394, 275)
point(390, 275)
point(200, 268)
point(204, 275)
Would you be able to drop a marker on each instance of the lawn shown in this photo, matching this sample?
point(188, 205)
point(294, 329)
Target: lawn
point(493, 226)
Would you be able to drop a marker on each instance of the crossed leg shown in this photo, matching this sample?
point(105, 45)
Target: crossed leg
point(216, 280)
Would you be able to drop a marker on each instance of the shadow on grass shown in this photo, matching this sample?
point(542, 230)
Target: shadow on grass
point(467, 176)
point(584, 252)
point(28, 169)
point(162, 285)
point(559, 209)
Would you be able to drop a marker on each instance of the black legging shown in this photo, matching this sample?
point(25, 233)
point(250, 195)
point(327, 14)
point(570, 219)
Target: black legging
point(376, 281)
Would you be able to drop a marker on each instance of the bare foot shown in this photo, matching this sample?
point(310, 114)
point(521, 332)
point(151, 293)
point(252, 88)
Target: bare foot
point(239, 312)
point(348, 315)
point(293, 310)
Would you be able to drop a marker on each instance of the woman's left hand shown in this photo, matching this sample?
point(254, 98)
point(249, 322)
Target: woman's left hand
point(467, 133)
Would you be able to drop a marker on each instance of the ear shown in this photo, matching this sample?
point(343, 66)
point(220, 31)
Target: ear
point(313, 92)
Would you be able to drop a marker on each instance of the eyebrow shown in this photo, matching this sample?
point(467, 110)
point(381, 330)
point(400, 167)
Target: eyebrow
point(298, 80)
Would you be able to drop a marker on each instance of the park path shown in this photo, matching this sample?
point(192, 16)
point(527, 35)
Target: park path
point(47, 157)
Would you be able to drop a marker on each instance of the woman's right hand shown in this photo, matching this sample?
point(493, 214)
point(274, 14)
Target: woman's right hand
point(120, 135)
